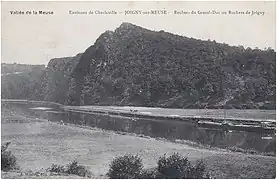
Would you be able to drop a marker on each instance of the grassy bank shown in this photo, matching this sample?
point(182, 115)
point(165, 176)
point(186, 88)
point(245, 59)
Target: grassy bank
point(232, 114)
point(38, 144)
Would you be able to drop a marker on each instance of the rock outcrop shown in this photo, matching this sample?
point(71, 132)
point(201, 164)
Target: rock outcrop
point(136, 66)
point(54, 83)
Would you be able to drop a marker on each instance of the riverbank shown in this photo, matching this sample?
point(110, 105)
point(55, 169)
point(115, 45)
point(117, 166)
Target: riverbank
point(227, 120)
point(246, 115)
point(38, 143)
point(228, 114)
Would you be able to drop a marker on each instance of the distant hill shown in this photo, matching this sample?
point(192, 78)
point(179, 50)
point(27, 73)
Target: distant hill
point(37, 82)
point(15, 68)
point(139, 67)
point(18, 81)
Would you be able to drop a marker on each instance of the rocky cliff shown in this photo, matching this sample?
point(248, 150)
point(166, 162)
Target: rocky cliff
point(37, 82)
point(136, 66)
point(54, 83)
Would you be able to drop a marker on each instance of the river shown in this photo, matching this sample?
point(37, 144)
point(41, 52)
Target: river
point(157, 128)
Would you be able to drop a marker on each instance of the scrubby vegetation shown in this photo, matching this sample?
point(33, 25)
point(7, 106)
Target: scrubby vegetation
point(57, 168)
point(178, 167)
point(37, 82)
point(130, 166)
point(123, 167)
point(80, 170)
point(139, 67)
point(18, 81)
point(136, 66)
point(71, 168)
point(54, 83)
point(172, 167)
point(126, 167)
point(8, 160)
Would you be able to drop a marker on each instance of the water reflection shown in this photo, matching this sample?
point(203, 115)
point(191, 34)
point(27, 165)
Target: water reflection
point(171, 130)
point(156, 128)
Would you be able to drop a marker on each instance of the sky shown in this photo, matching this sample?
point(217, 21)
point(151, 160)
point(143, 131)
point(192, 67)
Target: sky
point(35, 39)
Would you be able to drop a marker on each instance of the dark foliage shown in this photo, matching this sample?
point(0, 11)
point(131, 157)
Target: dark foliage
point(149, 174)
point(8, 160)
point(57, 168)
point(139, 67)
point(172, 167)
point(136, 66)
point(55, 80)
point(126, 167)
point(37, 82)
point(71, 168)
point(74, 168)
point(20, 81)
point(178, 167)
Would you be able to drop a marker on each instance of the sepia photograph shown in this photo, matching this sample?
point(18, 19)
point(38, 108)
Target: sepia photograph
point(138, 89)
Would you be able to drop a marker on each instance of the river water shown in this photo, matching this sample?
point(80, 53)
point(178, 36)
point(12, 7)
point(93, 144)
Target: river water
point(168, 129)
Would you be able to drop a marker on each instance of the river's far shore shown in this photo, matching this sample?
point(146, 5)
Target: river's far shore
point(228, 114)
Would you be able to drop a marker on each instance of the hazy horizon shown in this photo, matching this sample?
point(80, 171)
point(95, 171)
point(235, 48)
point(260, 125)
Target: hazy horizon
point(37, 39)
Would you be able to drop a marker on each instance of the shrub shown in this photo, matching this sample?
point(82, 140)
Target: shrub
point(57, 168)
point(8, 160)
point(71, 168)
point(148, 174)
point(173, 166)
point(74, 168)
point(178, 167)
point(198, 171)
point(126, 167)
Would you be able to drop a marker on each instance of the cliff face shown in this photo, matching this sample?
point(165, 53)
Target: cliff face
point(54, 83)
point(36, 82)
point(136, 66)
point(139, 67)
